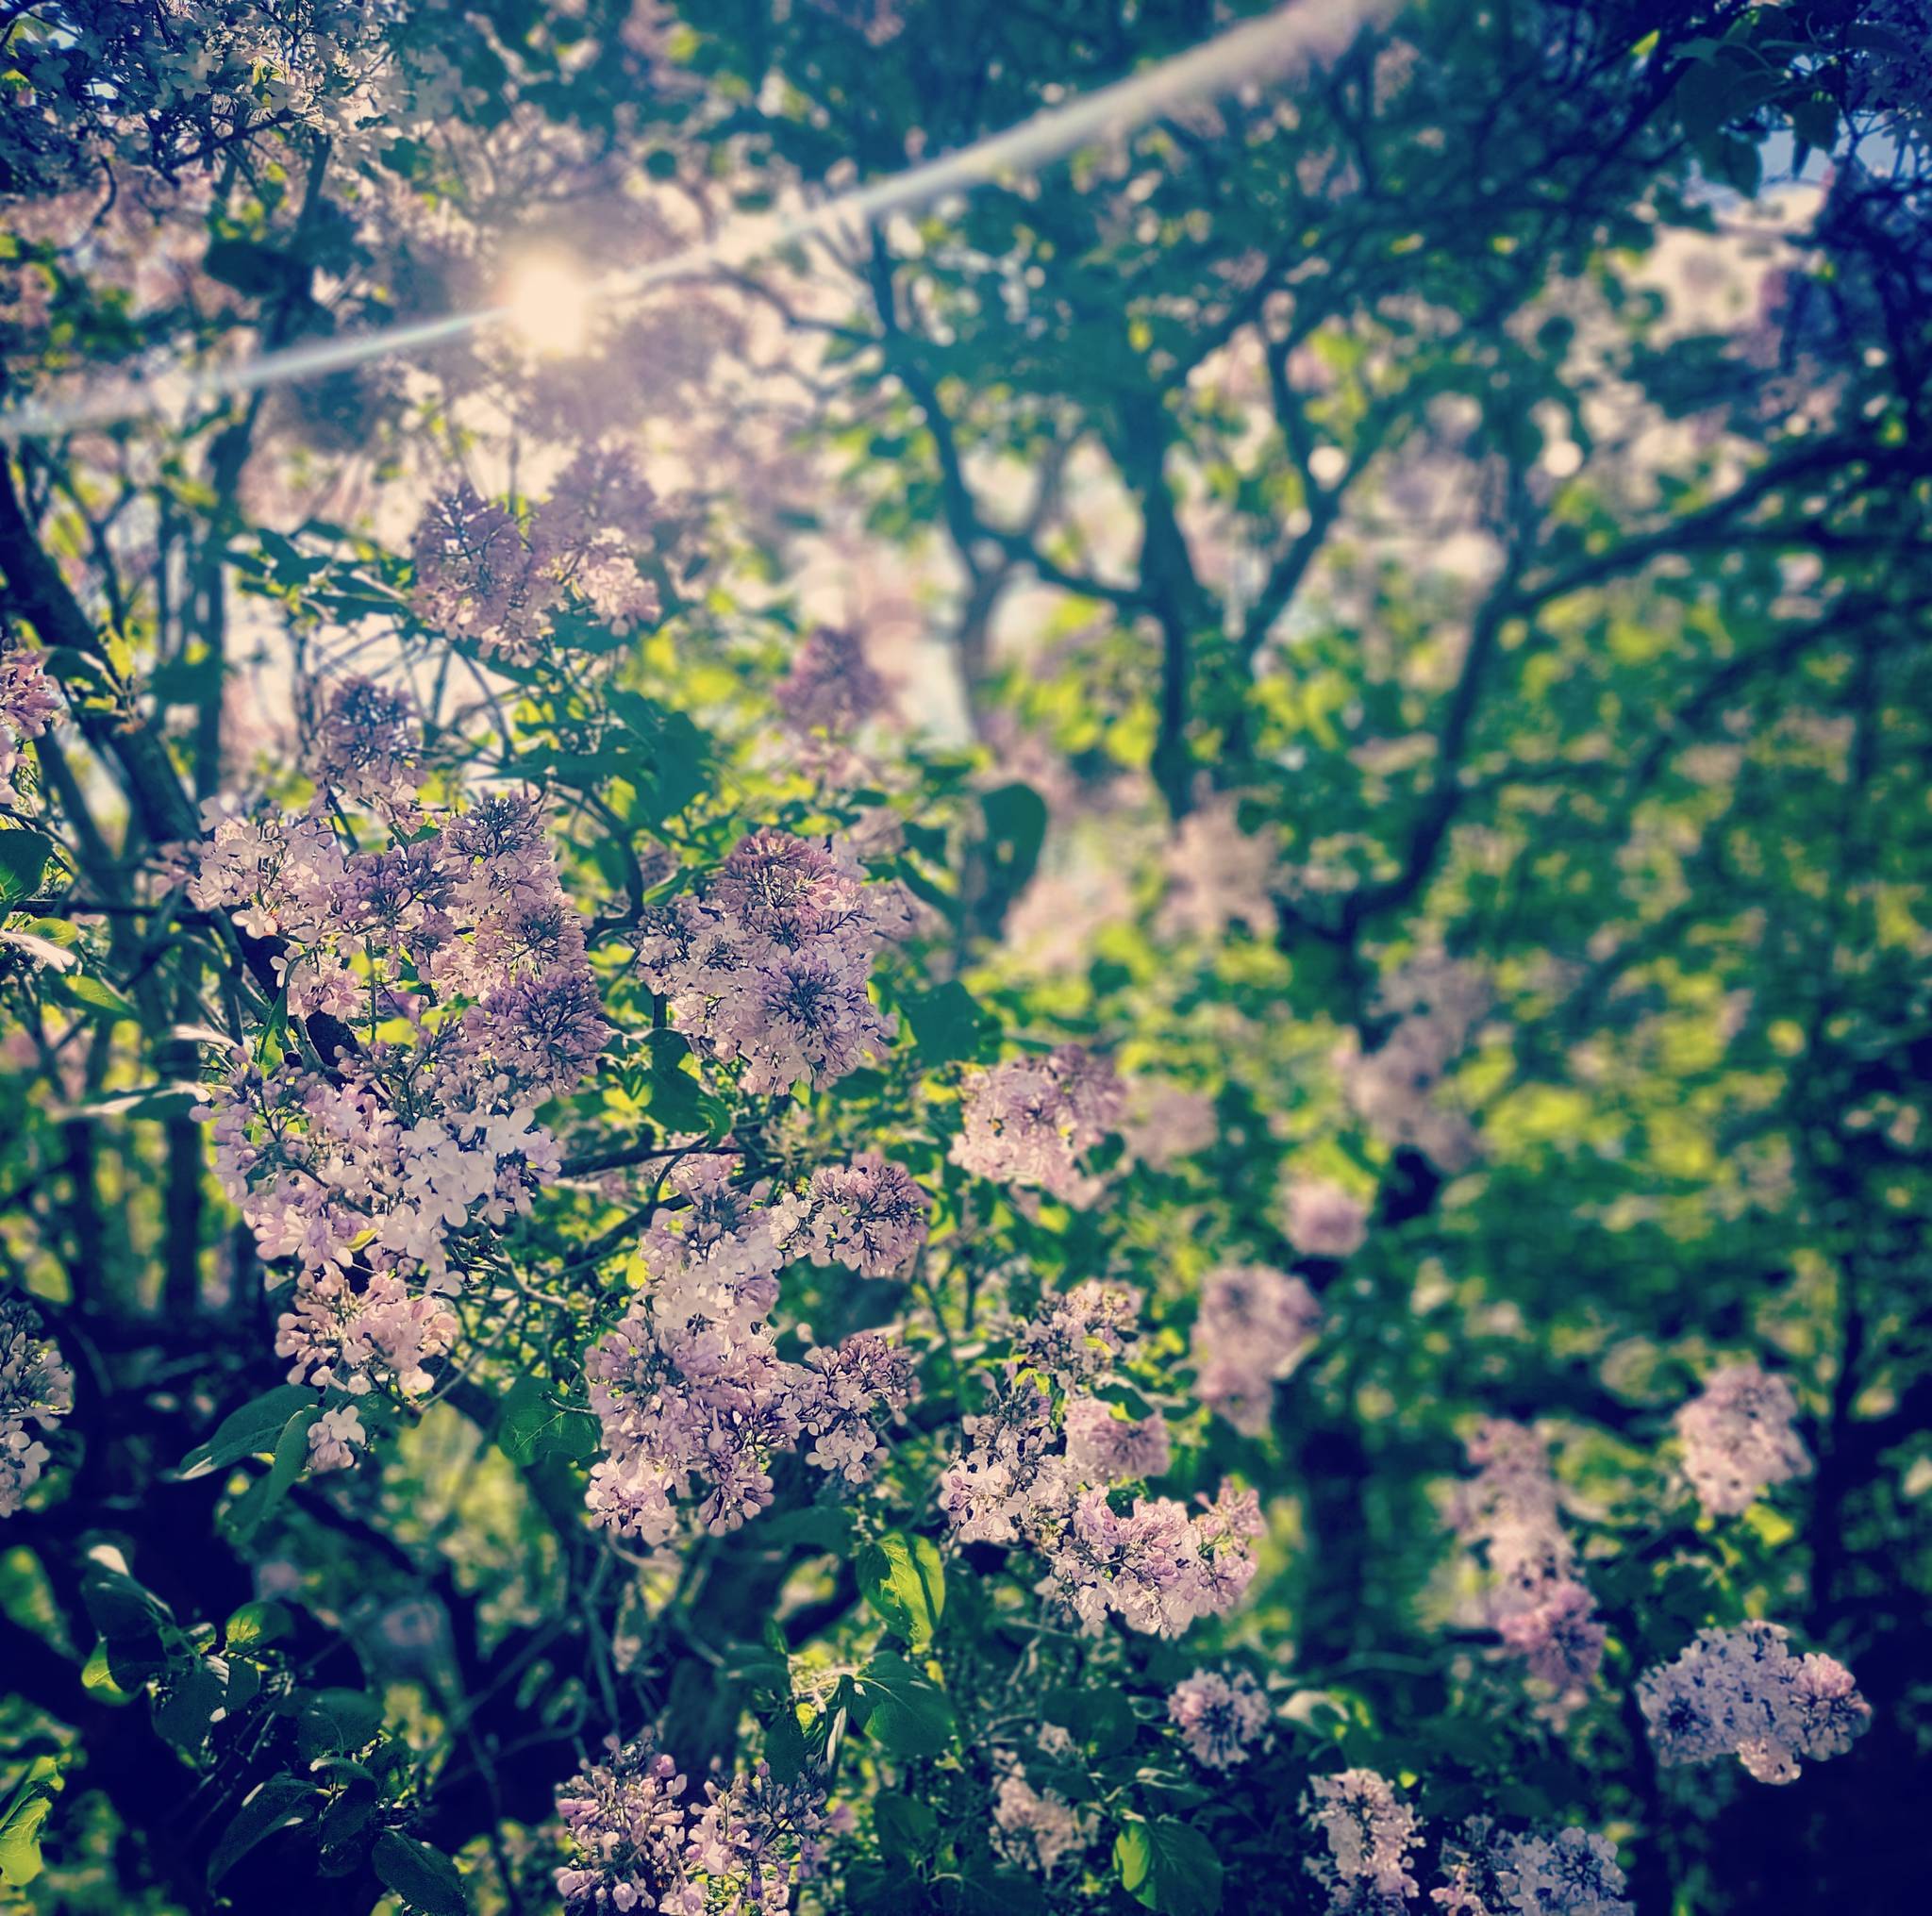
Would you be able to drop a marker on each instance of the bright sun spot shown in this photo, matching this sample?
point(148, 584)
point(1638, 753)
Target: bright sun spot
point(549, 303)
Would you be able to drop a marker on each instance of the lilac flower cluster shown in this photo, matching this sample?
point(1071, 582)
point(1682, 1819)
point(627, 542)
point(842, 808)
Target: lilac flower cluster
point(869, 1215)
point(1218, 876)
point(831, 686)
point(1492, 1871)
point(1219, 1717)
point(1039, 1469)
point(1534, 1602)
point(769, 961)
point(1255, 1325)
point(1369, 1832)
point(1322, 1220)
point(1037, 1829)
point(689, 1385)
point(1741, 1692)
point(28, 704)
point(36, 1389)
point(1738, 1439)
point(1164, 1121)
point(363, 741)
point(1397, 1088)
point(452, 956)
point(637, 1844)
point(1030, 1121)
point(483, 572)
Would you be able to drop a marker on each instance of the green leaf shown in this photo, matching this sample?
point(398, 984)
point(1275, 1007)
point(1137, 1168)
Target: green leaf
point(258, 1503)
point(183, 1717)
point(255, 1624)
point(530, 1426)
point(277, 1804)
point(907, 1829)
point(906, 1715)
point(26, 1810)
point(97, 1679)
point(678, 1103)
point(905, 1581)
point(423, 1877)
point(96, 995)
point(335, 1722)
point(950, 1025)
point(23, 856)
point(1167, 1866)
point(1016, 828)
point(246, 1432)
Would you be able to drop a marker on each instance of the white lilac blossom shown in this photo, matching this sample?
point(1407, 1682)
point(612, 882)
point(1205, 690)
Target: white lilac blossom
point(1491, 1871)
point(1219, 1717)
point(1218, 876)
point(1028, 1476)
point(768, 961)
point(1741, 1693)
point(1398, 1089)
point(1255, 1325)
point(869, 1215)
point(1164, 1121)
point(1106, 1447)
point(1030, 1121)
point(1532, 1599)
point(1322, 1220)
point(1738, 1439)
point(831, 686)
point(1369, 1833)
point(688, 1386)
point(489, 574)
point(447, 953)
point(36, 1392)
point(1037, 1829)
point(636, 1844)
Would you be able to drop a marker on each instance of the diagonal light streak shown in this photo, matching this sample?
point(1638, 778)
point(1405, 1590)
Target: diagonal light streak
point(1259, 50)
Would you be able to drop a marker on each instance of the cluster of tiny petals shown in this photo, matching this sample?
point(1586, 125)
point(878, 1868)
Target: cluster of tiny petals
point(36, 1392)
point(831, 686)
point(363, 741)
point(454, 958)
point(1368, 1832)
point(1255, 1325)
point(1533, 1601)
point(1491, 1871)
point(1105, 1447)
point(1030, 1121)
point(638, 1842)
point(689, 1387)
point(869, 1215)
point(28, 702)
point(1164, 1123)
point(769, 962)
point(1398, 1089)
point(1738, 1439)
point(1322, 1220)
point(1741, 1693)
point(1037, 1829)
point(486, 574)
point(1218, 876)
point(1219, 1717)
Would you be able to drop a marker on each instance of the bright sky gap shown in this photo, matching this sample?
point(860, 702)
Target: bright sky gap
point(1258, 50)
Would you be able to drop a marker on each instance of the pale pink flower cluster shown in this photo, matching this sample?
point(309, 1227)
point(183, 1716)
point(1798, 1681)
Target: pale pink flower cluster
point(1106, 1447)
point(831, 686)
point(28, 702)
point(1322, 1220)
point(364, 740)
point(1741, 1692)
point(1398, 1089)
point(1738, 1439)
point(769, 961)
point(1534, 1601)
point(869, 1215)
point(1037, 1829)
point(1370, 1832)
point(1219, 1717)
point(488, 573)
point(1165, 1123)
point(1218, 876)
point(1030, 1121)
point(1255, 1325)
point(1492, 1871)
point(637, 1844)
point(452, 971)
point(688, 1386)
point(36, 1392)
